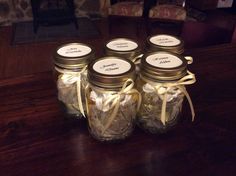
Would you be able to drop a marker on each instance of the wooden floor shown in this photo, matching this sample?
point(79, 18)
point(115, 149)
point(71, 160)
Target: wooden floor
point(37, 57)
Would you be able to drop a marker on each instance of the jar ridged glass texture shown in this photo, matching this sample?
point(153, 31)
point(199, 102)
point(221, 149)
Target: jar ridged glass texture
point(70, 61)
point(161, 83)
point(149, 115)
point(111, 98)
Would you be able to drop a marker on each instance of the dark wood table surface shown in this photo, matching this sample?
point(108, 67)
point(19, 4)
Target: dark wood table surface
point(36, 139)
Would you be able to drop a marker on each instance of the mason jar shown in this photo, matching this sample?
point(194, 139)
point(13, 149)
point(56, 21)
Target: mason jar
point(161, 82)
point(70, 62)
point(164, 42)
point(123, 47)
point(111, 98)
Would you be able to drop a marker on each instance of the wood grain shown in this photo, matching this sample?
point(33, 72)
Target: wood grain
point(36, 138)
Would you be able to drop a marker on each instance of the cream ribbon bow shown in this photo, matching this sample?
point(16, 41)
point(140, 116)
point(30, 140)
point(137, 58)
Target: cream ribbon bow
point(114, 99)
point(186, 80)
point(71, 78)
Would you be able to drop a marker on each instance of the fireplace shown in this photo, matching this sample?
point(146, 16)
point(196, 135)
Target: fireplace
point(53, 12)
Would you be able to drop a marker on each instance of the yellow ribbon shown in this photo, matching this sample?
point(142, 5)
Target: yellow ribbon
point(189, 59)
point(186, 80)
point(127, 88)
point(77, 77)
point(137, 59)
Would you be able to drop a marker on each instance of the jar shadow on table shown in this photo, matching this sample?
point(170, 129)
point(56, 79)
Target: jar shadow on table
point(70, 120)
point(162, 131)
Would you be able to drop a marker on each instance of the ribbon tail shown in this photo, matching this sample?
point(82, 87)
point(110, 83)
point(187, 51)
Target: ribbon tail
point(79, 96)
point(189, 59)
point(139, 100)
point(189, 101)
point(137, 59)
point(87, 104)
point(163, 109)
point(113, 115)
point(86, 100)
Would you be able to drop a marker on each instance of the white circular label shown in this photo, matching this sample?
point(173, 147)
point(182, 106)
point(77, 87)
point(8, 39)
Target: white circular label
point(74, 50)
point(164, 60)
point(164, 40)
point(111, 66)
point(122, 45)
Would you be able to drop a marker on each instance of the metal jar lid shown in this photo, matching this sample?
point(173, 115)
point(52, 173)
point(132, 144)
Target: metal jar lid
point(110, 72)
point(73, 55)
point(122, 47)
point(163, 66)
point(165, 42)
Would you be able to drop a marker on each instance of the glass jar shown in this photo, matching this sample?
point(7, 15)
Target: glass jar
point(70, 62)
point(123, 47)
point(111, 99)
point(161, 82)
point(163, 42)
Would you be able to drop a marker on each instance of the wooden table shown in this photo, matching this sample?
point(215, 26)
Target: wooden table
point(36, 139)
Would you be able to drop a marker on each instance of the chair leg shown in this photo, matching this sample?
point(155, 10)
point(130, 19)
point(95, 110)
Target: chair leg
point(71, 6)
point(109, 24)
point(139, 25)
point(181, 25)
point(35, 26)
point(148, 25)
point(138, 28)
point(76, 23)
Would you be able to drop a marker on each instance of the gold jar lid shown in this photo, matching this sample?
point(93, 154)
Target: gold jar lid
point(163, 66)
point(110, 72)
point(122, 47)
point(73, 55)
point(165, 42)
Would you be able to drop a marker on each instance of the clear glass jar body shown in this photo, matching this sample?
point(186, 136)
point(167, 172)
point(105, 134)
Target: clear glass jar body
point(69, 95)
point(149, 114)
point(101, 126)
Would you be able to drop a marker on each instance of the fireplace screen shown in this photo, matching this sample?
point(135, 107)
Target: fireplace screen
point(53, 12)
